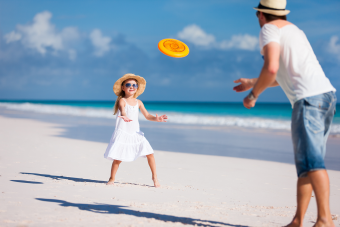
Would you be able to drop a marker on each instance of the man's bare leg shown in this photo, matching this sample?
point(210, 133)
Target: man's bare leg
point(114, 168)
point(304, 193)
point(320, 183)
point(152, 164)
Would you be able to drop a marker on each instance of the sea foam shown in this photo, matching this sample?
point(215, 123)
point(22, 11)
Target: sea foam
point(174, 117)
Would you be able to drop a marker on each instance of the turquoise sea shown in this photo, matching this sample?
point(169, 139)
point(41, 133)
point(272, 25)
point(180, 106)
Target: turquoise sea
point(262, 110)
point(264, 115)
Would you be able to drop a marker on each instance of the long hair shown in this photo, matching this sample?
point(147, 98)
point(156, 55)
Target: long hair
point(120, 96)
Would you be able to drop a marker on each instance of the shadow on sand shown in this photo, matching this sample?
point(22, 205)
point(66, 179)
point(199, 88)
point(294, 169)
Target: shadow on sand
point(75, 179)
point(27, 182)
point(116, 209)
point(84, 180)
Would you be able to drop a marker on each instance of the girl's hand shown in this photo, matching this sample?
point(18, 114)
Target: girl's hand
point(162, 118)
point(125, 118)
point(245, 85)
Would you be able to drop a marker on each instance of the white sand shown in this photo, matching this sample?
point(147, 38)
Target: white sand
point(47, 180)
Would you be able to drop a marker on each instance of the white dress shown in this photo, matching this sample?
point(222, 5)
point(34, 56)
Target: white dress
point(128, 142)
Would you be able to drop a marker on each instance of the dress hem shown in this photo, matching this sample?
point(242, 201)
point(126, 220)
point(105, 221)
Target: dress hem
point(125, 160)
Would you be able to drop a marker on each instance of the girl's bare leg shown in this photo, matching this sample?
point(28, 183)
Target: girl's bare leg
point(114, 168)
point(152, 164)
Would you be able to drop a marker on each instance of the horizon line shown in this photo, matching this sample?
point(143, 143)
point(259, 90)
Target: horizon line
point(168, 101)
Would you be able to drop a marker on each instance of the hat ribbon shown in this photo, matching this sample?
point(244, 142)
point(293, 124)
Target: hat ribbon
point(265, 7)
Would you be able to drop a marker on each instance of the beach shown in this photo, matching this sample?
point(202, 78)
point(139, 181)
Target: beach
point(53, 174)
point(216, 88)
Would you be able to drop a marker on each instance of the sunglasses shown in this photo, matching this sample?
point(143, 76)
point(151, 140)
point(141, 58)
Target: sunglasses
point(135, 86)
point(257, 13)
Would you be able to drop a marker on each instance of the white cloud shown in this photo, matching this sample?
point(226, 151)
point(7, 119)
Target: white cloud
point(334, 46)
point(69, 33)
point(197, 36)
point(12, 37)
point(101, 43)
point(41, 34)
point(243, 42)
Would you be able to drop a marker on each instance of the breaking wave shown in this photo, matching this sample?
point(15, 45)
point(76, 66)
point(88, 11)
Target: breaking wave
point(174, 117)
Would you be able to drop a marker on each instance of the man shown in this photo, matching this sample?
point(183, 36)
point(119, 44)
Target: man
point(290, 62)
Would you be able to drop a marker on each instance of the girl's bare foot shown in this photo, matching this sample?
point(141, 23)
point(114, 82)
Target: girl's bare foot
point(111, 182)
point(156, 183)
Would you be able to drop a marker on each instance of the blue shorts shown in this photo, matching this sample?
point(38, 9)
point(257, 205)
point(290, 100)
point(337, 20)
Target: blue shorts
point(311, 121)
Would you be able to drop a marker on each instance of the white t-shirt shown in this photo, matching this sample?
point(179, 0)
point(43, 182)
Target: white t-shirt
point(300, 74)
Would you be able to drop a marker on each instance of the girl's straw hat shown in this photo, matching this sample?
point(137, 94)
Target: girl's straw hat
point(117, 87)
point(274, 7)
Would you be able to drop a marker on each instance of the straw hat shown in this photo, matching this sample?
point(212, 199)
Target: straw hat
point(117, 87)
point(274, 7)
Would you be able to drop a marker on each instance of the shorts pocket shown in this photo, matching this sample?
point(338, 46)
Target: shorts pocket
point(320, 102)
point(315, 116)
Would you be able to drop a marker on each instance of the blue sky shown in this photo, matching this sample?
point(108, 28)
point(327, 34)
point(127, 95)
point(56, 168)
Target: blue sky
point(77, 49)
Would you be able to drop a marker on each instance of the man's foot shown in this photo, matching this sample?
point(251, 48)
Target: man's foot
point(111, 182)
point(294, 223)
point(156, 183)
point(324, 223)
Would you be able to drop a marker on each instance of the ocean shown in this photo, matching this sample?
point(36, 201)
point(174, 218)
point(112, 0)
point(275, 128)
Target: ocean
point(264, 115)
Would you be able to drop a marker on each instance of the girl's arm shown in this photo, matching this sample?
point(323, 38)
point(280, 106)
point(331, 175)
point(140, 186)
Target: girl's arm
point(148, 116)
point(122, 111)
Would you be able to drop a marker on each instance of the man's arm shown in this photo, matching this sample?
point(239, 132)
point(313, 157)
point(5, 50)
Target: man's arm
point(275, 84)
point(267, 76)
point(247, 84)
point(270, 67)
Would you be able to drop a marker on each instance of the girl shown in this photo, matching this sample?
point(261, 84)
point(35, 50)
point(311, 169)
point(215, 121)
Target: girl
point(128, 142)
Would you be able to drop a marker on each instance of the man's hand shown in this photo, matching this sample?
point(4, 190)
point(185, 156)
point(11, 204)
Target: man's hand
point(125, 118)
point(248, 103)
point(245, 85)
point(162, 118)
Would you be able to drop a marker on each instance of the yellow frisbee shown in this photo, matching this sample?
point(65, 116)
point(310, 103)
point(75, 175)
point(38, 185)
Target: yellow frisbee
point(173, 48)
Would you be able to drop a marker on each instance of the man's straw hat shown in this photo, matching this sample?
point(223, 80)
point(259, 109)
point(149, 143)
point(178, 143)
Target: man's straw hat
point(274, 7)
point(117, 87)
